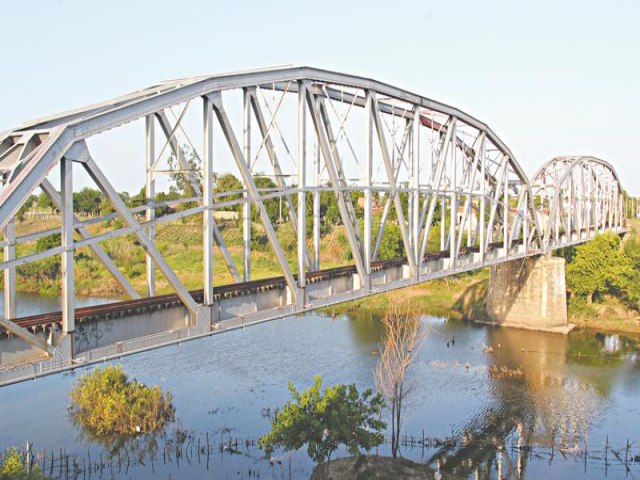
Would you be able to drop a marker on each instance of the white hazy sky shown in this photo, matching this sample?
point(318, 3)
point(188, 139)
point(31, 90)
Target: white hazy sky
point(550, 77)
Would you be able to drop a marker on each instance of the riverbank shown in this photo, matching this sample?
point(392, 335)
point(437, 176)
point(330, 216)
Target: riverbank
point(610, 316)
point(458, 297)
point(463, 297)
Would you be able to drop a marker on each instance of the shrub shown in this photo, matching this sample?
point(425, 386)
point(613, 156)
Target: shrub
point(13, 467)
point(106, 402)
point(599, 266)
point(391, 245)
point(323, 421)
point(578, 308)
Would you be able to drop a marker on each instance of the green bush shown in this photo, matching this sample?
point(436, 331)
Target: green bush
point(106, 402)
point(48, 242)
point(598, 267)
point(578, 308)
point(325, 420)
point(13, 467)
point(391, 245)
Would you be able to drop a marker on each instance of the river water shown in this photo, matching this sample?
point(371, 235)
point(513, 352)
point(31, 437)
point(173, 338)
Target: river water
point(572, 397)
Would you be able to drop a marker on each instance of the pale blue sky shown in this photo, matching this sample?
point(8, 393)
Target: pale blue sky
point(549, 77)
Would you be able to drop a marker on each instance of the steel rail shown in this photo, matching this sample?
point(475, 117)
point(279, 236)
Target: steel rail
point(224, 291)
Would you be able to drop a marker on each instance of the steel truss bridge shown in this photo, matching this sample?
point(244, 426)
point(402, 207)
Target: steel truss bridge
point(443, 178)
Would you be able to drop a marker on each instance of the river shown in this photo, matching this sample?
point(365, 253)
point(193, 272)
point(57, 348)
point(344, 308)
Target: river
point(572, 396)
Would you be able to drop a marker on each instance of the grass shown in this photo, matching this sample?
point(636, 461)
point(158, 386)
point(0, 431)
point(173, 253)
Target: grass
point(180, 242)
point(610, 315)
point(459, 297)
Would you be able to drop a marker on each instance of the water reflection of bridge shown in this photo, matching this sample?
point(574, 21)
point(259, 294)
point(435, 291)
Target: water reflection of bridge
point(543, 407)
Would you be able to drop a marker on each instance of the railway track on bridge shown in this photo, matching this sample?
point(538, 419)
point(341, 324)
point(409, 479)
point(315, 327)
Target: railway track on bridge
point(42, 320)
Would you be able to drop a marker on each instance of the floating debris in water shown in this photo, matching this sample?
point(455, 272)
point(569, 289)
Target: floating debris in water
point(505, 372)
point(443, 364)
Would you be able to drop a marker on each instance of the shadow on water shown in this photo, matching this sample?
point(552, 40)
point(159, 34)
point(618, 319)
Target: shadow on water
point(365, 327)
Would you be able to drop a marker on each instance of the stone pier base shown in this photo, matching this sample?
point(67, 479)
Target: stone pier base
point(529, 293)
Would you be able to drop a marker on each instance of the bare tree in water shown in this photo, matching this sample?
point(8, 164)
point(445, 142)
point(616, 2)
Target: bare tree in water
point(399, 348)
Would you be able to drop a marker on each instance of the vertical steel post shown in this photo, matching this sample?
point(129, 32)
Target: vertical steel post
point(368, 194)
point(615, 208)
point(150, 194)
point(620, 209)
point(525, 220)
point(246, 206)
point(580, 218)
point(596, 200)
point(610, 205)
point(603, 206)
point(453, 213)
point(469, 215)
point(483, 194)
point(302, 199)
point(443, 214)
point(573, 206)
point(443, 197)
point(68, 299)
point(393, 188)
point(415, 185)
point(589, 205)
point(252, 189)
point(317, 169)
point(505, 211)
point(10, 272)
point(207, 201)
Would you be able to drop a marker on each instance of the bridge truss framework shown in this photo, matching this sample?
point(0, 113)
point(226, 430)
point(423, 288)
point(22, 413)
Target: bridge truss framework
point(446, 180)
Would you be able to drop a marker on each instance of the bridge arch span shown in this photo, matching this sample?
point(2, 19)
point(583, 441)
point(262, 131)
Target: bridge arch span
point(576, 195)
point(293, 137)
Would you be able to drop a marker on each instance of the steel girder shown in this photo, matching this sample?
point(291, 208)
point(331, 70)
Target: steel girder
point(577, 196)
point(392, 159)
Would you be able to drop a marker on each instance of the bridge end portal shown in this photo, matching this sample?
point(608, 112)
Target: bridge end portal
point(529, 293)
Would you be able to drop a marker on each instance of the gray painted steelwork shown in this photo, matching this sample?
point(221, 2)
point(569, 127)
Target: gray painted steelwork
point(438, 174)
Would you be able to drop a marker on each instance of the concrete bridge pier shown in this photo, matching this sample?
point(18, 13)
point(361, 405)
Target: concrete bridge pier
point(529, 293)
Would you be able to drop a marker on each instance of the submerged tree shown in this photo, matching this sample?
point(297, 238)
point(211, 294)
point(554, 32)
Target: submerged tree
point(324, 420)
point(398, 350)
point(15, 465)
point(106, 402)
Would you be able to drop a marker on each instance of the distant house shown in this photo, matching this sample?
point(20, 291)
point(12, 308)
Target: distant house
point(225, 215)
point(220, 215)
point(375, 208)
